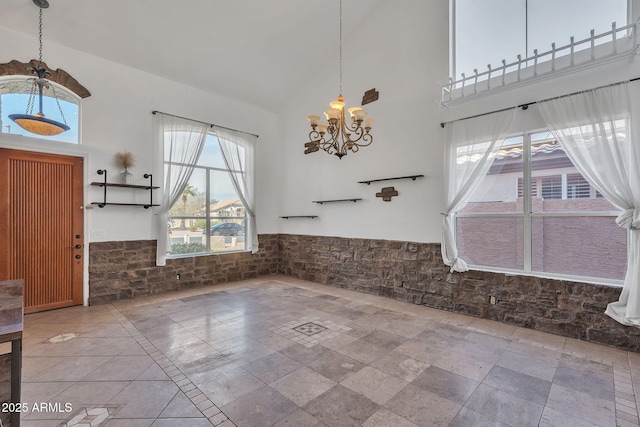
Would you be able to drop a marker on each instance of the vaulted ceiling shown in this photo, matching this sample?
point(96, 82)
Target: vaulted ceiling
point(256, 51)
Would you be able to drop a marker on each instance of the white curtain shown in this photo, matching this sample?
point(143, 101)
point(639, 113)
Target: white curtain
point(471, 146)
point(597, 130)
point(238, 151)
point(179, 141)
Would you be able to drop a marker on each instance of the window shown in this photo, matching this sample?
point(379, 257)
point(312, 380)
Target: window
point(565, 186)
point(14, 97)
point(550, 187)
point(209, 216)
point(577, 187)
point(560, 226)
point(488, 31)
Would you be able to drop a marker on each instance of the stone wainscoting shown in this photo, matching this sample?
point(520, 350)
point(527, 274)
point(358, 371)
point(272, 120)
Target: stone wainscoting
point(127, 269)
point(415, 273)
point(406, 271)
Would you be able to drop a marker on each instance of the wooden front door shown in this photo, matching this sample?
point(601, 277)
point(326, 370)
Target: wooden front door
point(41, 227)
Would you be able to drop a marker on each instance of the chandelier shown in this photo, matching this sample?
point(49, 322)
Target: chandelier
point(337, 136)
point(38, 123)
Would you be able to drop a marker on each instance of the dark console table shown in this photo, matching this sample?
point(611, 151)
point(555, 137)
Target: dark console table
point(11, 325)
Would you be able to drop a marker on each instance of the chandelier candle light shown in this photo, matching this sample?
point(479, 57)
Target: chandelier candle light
point(38, 123)
point(337, 136)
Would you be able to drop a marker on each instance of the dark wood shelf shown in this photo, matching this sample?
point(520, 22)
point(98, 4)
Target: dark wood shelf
point(115, 184)
point(299, 216)
point(336, 200)
point(411, 177)
point(102, 205)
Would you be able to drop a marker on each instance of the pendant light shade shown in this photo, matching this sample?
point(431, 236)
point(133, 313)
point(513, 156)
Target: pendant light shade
point(39, 125)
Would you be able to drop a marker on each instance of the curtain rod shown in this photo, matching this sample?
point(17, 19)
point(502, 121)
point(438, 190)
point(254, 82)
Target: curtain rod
point(204, 123)
point(525, 106)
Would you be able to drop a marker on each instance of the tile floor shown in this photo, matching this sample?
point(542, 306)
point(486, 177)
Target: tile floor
point(284, 352)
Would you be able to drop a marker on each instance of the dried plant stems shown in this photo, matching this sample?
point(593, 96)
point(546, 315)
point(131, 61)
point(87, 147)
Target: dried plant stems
point(125, 159)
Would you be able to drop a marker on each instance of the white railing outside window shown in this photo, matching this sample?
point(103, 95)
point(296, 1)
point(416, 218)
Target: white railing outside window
point(613, 45)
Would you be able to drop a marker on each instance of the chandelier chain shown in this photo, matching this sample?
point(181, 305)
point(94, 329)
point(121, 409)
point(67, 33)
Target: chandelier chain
point(32, 98)
point(337, 136)
point(34, 86)
point(40, 38)
point(50, 85)
point(55, 96)
point(340, 47)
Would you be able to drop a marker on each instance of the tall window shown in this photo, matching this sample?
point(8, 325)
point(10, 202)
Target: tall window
point(488, 31)
point(208, 216)
point(533, 212)
point(14, 97)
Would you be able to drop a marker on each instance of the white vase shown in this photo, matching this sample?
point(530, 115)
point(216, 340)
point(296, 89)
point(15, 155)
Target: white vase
point(126, 176)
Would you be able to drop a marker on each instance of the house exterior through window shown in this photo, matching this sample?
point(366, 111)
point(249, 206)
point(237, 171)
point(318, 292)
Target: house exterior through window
point(535, 213)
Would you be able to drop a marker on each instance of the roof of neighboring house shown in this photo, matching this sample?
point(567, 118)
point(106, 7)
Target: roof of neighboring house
point(545, 147)
point(224, 204)
point(545, 155)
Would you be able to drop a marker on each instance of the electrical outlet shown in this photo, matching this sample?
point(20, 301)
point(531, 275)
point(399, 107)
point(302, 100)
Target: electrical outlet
point(492, 300)
point(98, 235)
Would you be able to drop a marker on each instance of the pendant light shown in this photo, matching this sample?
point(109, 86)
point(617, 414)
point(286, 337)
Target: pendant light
point(38, 123)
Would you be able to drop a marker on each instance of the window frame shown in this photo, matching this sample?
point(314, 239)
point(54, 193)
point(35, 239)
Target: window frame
point(528, 217)
point(633, 10)
point(208, 217)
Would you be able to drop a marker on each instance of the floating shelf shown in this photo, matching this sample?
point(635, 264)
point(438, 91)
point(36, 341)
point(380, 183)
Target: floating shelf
point(299, 216)
point(115, 184)
point(106, 184)
point(102, 204)
point(411, 177)
point(336, 200)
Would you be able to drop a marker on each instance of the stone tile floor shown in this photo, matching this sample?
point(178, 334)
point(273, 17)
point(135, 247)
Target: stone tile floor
point(231, 355)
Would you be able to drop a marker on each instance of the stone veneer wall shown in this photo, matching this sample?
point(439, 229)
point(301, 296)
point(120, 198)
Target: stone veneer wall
point(406, 271)
point(127, 269)
point(415, 273)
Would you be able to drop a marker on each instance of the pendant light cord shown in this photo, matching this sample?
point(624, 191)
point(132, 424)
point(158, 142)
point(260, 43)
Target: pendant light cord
point(340, 47)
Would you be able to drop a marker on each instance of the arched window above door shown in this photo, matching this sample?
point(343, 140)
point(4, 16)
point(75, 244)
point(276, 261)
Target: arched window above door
point(61, 101)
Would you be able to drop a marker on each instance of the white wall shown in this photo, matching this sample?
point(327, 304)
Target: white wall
point(118, 117)
point(401, 50)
